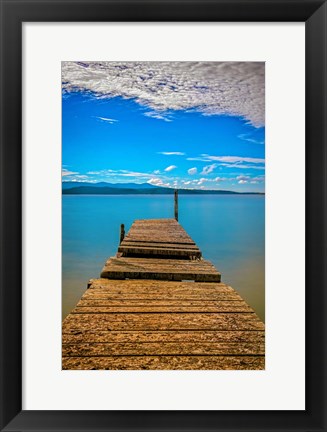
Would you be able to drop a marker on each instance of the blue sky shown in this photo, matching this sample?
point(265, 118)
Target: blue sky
point(162, 135)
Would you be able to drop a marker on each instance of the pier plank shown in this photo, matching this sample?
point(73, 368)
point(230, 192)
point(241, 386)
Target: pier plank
point(155, 250)
point(150, 302)
point(153, 348)
point(71, 336)
point(161, 269)
point(190, 246)
point(160, 321)
point(137, 285)
point(228, 308)
point(176, 297)
point(165, 362)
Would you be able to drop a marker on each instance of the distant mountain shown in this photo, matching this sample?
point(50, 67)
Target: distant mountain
point(70, 184)
point(136, 189)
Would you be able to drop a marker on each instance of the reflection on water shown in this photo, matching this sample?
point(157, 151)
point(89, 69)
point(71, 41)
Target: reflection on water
point(228, 229)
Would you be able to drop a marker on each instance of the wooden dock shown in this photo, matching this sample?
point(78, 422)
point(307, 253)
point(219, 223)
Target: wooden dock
point(159, 305)
point(148, 238)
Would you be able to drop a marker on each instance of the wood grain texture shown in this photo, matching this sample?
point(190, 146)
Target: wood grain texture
point(163, 308)
point(152, 285)
point(227, 307)
point(160, 321)
point(165, 363)
point(154, 250)
point(160, 269)
point(159, 348)
point(162, 303)
point(73, 336)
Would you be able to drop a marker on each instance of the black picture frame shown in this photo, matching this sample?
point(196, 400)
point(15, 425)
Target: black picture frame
point(13, 14)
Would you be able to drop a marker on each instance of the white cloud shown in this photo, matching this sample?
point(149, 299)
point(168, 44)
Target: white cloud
point(81, 177)
point(213, 88)
point(243, 178)
point(239, 162)
point(209, 180)
point(232, 159)
point(172, 153)
point(157, 182)
point(259, 179)
point(247, 137)
point(208, 169)
point(158, 116)
point(170, 168)
point(65, 172)
point(75, 177)
point(192, 171)
point(199, 159)
point(241, 166)
point(120, 173)
point(107, 120)
point(123, 176)
point(201, 181)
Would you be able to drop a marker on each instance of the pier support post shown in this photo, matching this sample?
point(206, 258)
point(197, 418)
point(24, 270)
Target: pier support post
point(122, 233)
point(176, 204)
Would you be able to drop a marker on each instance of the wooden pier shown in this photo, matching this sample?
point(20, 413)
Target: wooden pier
point(151, 238)
point(159, 305)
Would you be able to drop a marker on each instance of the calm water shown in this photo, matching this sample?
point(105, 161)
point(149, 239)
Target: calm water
point(228, 229)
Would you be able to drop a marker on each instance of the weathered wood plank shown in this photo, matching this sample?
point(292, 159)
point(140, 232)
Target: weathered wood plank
point(139, 290)
point(226, 308)
point(175, 297)
point(188, 244)
point(166, 362)
point(170, 348)
point(149, 302)
point(90, 336)
point(170, 221)
point(159, 244)
point(164, 269)
point(155, 222)
point(157, 292)
point(146, 290)
point(158, 321)
point(154, 262)
point(147, 236)
point(220, 296)
point(151, 285)
point(162, 290)
point(145, 309)
point(158, 251)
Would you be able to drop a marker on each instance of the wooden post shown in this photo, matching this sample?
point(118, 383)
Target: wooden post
point(122, 232)
point(176, 204)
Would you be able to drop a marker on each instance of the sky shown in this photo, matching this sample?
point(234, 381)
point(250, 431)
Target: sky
point(196, 125)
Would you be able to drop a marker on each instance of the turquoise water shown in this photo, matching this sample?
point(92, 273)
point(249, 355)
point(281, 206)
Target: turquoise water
point(228, 229)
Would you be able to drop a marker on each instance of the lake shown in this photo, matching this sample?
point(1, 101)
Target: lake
point(229, 230)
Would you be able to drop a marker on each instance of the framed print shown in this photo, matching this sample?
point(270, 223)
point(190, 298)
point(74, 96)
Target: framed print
point(163, 198)
point(166, 304)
